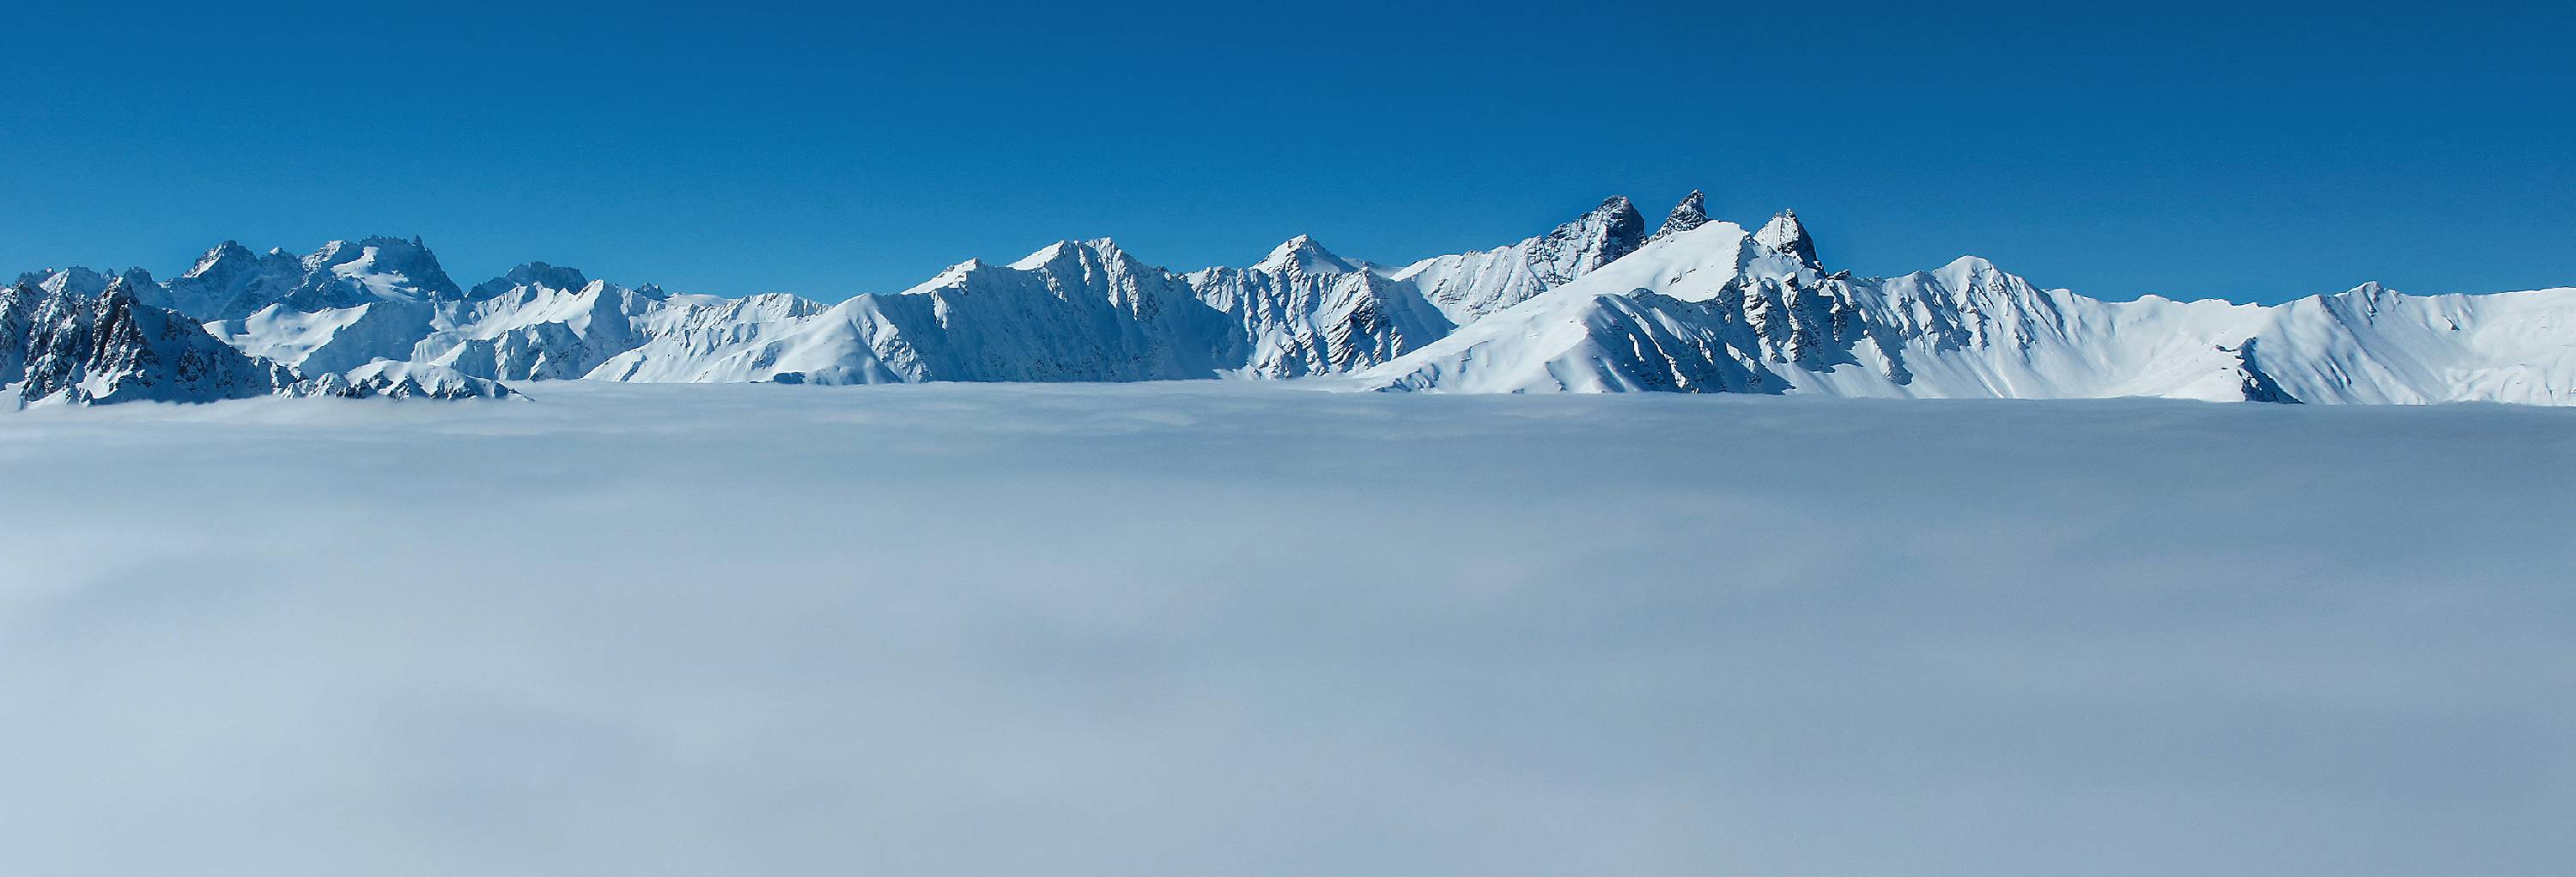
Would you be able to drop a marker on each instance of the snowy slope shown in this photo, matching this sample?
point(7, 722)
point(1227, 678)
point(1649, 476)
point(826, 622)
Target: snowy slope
point(1468, 286)
point(540, 321)
point(536, 321)
point(1072, 311)
point(1089, 311)
point(1716, 309)
point(231, 282)
point(331, 339)
point(1304, 311)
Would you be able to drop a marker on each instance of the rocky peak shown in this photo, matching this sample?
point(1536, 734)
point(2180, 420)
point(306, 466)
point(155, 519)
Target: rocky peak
point(113, 346)
point(76, 280)
point(1077, 258)
point(1302, 254)
point(397, 265)
point(1786, 236)
point(224, 259)
point(1691, 213)
point(1600, 237)
point(1060, 252)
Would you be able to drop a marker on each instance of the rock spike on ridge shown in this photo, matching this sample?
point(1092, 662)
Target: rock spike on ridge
point(1785, 235)
point(1691, 213)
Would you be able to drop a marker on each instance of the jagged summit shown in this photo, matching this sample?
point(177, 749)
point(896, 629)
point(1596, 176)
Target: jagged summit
point(1302, 253)
point(1691, 213)
point(387, 266)
point(230, 282)
point(1785, 235)
point(79, 347)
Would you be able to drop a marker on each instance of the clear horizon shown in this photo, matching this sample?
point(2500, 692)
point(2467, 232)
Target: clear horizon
point(2193, 152)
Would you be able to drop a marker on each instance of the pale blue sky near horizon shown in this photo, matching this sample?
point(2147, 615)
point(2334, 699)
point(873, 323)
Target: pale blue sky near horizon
point(2252, 151)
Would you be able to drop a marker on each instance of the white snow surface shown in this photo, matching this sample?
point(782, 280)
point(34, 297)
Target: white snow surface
point(1241, 628)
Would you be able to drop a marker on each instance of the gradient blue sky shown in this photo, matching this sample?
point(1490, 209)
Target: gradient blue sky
point(2247, 150)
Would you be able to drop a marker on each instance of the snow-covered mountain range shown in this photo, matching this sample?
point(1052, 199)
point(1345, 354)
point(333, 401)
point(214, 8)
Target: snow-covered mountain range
point(1597, 304)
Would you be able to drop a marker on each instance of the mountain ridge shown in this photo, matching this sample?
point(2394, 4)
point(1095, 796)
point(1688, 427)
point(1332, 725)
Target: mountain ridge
point(1597, 304)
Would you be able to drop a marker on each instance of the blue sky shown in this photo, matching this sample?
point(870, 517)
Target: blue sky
point(2252, 151)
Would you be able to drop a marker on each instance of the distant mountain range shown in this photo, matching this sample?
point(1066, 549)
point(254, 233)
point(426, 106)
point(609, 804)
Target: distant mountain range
point(1598, 304)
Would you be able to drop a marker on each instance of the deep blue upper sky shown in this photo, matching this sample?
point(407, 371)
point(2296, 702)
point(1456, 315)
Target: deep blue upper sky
point(2248, 150)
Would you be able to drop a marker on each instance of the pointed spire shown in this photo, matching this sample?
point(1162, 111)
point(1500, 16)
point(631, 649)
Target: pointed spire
point(1691, 213)
point(1786, 236)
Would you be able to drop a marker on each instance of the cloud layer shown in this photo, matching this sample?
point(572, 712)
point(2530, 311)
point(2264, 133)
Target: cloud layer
point(1211, 628)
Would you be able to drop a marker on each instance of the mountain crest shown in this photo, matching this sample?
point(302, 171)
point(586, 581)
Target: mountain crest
point(81, 281)
point(1691, 213)
point(1303, 254)
point(1600, 237)
point(1785, 235)
point(530, 274)
point(402, 267)
point(222, 257)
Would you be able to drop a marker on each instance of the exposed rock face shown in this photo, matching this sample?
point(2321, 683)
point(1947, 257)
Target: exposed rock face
point(60, 344)
point(1785, 235)
point(1574, 249)
point(1468, 286)
point(1691, 213)
point(81, 349)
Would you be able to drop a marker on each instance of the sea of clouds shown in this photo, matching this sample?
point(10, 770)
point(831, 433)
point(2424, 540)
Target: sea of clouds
point(1219, 628)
